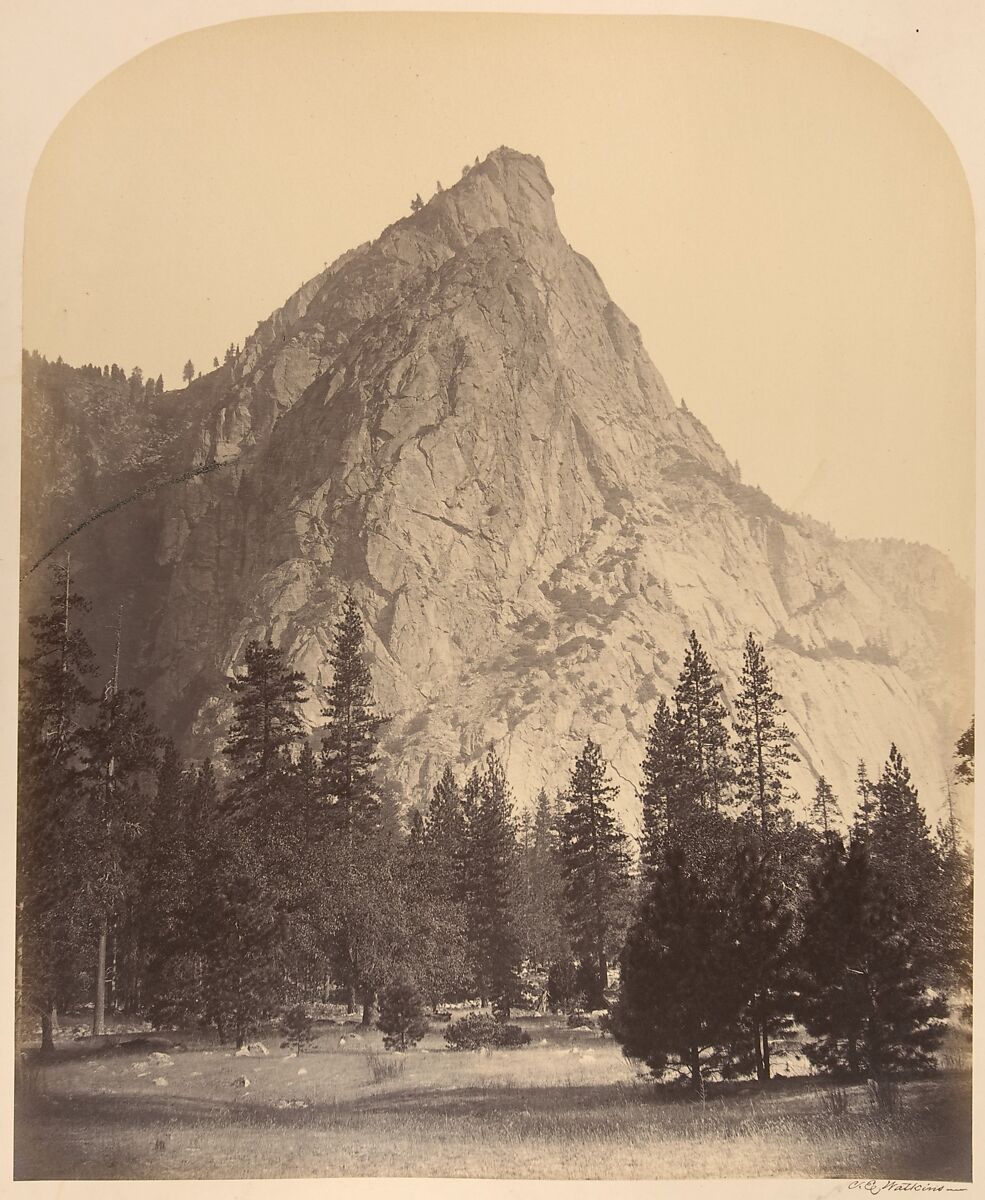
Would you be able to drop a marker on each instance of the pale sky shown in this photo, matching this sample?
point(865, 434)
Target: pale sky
point(785, 222)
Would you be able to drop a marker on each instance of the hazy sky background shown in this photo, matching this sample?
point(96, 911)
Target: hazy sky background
point(787, 225)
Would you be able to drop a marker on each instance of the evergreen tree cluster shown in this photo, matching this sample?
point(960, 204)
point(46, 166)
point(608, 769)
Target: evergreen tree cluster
point(750, 921)
point(38, 370)
point(233, 892)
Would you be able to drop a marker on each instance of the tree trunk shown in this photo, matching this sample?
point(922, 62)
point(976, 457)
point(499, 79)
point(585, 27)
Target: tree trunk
point(695, 1057)
point(99, 1009)
point(369, 1002)
point(350, 998)
point(47, 1040)
point(113, 994)
point(759, 1050)
point(603, 978)
point(853, 1063)
point(766, 1054)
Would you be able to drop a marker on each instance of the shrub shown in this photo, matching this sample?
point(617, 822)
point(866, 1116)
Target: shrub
point(472, 1032)
point(296, 1029)
point(402, 1020)
point(385, 1066)
point(479, 1030)
point(511, 1037)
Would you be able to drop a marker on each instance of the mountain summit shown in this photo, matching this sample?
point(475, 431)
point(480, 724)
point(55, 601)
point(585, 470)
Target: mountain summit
point(458, 422)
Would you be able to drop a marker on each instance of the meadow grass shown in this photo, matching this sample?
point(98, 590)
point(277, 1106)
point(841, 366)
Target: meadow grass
point(567, 1106)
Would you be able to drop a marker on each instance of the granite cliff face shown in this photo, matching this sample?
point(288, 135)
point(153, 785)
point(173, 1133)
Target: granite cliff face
point(457, 421)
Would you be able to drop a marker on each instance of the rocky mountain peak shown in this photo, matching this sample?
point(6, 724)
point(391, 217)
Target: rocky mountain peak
point(457, 421)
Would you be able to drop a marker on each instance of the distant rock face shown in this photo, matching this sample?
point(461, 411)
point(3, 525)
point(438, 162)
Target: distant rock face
point(457, 421)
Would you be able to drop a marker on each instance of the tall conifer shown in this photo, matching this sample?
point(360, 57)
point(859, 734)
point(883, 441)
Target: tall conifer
point(660, 794)
point(494, 894)
point(351, 736)
point(595, 863)
point(707, 771)
point(53, 697)
point(764, 747)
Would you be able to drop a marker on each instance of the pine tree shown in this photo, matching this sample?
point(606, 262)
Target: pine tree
point(403, 1020)
point(764, 752)
point(595, 864)
point(350, 745)
point(765, 907)
point(53, 696)
point(864, 998)
point(682, 988)
point(543, 919)
point(493, 868)
point(903, 855)
point(159, 386)
point(444, 833)
point(265, 731)
point(954, 908)
point(161, 941)
point(707, 771)
point(362, 865)
point(433, 918)
point(660, 794)
point(865, 789)
point(253, 848)
point(118, 763)
point(764, 743)
point(188, 372)
point(825, 814)
point(136, 383)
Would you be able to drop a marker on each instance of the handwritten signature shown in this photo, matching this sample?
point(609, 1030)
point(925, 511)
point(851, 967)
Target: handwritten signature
point(875, 1187)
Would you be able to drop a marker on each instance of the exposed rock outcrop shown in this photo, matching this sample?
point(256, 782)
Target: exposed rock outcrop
point(457, 421)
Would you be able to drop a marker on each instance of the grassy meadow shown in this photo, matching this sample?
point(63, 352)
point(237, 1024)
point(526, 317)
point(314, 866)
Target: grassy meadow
point(569, 1105)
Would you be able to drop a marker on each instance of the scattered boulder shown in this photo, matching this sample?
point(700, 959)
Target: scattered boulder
point(160, 1059)
point(259, 1049)
point(240, 1082)
point(302, 1070)
point(160, 1081)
